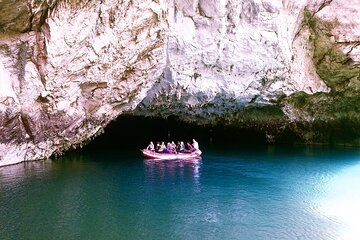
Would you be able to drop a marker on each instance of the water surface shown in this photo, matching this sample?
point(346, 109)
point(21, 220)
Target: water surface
point(239, 193)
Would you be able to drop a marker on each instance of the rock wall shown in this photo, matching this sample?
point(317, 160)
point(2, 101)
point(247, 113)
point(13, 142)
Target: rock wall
point(334, 39)
point(223, 56)
point(63, 81)
point(69, 67)
point(279, 66)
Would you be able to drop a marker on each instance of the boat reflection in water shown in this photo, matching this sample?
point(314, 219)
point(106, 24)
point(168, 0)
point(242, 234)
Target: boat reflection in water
point(181, 171)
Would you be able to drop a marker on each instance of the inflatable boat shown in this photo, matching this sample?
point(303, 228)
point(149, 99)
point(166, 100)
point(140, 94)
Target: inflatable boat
point(170, 156)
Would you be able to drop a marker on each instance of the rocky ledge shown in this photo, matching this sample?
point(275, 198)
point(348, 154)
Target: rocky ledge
point(69, 67)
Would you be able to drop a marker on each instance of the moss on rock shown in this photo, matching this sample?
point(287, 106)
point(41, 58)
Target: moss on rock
point(335, 116)
point(333, 66)
point(259, 116)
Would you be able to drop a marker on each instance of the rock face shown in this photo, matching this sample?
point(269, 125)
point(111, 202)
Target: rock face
point(69, 67)
point(87, 63)
point(334, 37)
point(242, 52)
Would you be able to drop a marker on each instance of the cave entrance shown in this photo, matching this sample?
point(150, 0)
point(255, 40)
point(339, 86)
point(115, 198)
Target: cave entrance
point(136, 132)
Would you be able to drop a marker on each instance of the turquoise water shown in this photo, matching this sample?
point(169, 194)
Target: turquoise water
point(249, 193)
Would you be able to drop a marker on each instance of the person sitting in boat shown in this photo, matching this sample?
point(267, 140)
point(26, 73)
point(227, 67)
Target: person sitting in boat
point(182, 147)
point(157, 148)
point(195, 144)
point(190, 147)
point(151, 146)
point(173, 145)
point(178, 146)
point(162, 148)
point(170, 148)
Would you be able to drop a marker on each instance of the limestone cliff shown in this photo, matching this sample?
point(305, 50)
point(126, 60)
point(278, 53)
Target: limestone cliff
point(63, 81)
point(69, 67)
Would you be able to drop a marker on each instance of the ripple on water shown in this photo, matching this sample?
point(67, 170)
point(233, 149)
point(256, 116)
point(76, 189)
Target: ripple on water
point(248, 196)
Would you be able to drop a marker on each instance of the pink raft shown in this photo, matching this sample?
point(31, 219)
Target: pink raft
point(170, 156)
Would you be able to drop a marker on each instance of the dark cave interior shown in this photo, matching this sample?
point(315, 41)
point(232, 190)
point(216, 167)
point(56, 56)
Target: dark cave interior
point(137, 131)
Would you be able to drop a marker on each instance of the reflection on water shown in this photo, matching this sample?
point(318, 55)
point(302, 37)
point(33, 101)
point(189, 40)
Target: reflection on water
point(14, 176)
point(271, 193)
point(159, 168)
point(170, 170)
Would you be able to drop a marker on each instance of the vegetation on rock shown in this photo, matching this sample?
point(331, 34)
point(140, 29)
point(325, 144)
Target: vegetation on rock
point(336, 115)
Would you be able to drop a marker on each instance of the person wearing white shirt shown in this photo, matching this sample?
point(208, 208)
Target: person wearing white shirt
point(195, 144)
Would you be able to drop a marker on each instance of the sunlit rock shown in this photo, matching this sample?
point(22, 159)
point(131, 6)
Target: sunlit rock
point(69, 67)
point(246, 52)
point(88, 62)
